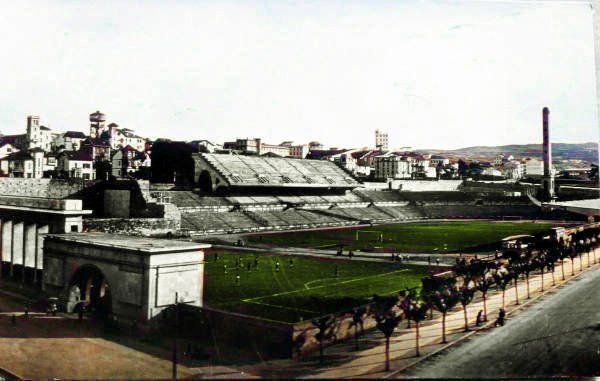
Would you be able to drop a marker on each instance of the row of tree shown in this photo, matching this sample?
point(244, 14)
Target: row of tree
point(444, 293)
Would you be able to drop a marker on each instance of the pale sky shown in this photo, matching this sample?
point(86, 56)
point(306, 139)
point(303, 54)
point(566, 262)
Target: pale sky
point(443, 74)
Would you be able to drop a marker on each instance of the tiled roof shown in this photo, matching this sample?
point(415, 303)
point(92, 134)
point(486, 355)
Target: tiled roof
point(74, 135)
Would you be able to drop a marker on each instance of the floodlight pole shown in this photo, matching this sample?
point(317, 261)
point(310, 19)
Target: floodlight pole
point(174, 358)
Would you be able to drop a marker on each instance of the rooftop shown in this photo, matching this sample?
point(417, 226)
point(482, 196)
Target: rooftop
point(74, 135)
point(145, 245)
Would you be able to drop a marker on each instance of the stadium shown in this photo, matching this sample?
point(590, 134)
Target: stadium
point(296, 239)
point(240, 194)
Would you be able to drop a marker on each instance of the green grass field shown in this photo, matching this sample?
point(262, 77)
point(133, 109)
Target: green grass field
point(303, 288)
point(452, 236)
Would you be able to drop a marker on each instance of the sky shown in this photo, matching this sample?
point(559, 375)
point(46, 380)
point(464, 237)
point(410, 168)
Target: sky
point(433, 74)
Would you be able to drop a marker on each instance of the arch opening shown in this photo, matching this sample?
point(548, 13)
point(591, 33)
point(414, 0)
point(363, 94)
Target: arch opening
point(89, 291)
point(205, 181)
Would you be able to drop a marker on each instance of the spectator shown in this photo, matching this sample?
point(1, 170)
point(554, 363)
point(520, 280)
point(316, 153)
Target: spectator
point(501, 316)
point(480, 318)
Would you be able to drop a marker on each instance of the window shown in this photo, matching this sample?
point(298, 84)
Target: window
point(74, 228)
point(86, 165)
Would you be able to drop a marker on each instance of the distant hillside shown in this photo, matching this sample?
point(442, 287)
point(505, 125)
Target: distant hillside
point(560, 151)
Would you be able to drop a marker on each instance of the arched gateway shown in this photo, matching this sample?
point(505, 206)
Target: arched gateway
point(122, 277)
point(89, 289)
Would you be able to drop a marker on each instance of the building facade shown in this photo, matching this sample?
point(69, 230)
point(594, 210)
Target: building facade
point(381, 140)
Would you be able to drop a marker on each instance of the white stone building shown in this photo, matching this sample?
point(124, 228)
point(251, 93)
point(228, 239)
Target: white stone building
point(391, 166)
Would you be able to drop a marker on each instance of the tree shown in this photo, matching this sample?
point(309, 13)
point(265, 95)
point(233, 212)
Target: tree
point(466, 294)
point(483, 285)
point(463, 168)
point(387, 320)
point(418, 314)
point(593, 173)
point(564, 253)
point(358, 317)
point(540, 263)
point(526, 269)
point(323, 324)
point(572, 252)
point(502, 280)
point(444, 301)
point(515, 270)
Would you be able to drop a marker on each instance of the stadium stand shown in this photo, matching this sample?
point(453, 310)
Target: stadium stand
point(266, 193)
point(257, 171)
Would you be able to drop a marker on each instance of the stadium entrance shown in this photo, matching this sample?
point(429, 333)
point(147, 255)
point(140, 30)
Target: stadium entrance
point(89, 291)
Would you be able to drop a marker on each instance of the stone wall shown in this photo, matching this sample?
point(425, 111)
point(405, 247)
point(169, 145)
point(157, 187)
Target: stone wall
point(242, 335)
point(48, 188)
point(147, 227)
point(426, 185)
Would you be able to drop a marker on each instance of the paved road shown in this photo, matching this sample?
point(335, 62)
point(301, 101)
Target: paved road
point(559, 335)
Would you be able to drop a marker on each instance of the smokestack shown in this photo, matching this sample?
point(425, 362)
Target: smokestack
point(547, 146)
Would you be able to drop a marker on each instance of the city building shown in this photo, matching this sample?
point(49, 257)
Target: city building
point(381, 140)
point(122, 137)
point(69, 141)
point(436, 160)
point(533, 167)
point(6, 149)
point(279, 150)
point(127, 161)
point(99, 149)
point(37, 135)
point(246, 145)
point(298, 151)
point(392, 166)
point(513, 170)
point(50, 162)
point(78, 164)
point(205, 146)
point(27, 164)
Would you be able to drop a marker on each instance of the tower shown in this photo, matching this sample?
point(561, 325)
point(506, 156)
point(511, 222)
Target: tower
point(97, 120)
point(33, 131)
point(381, 140)
point(548, 177)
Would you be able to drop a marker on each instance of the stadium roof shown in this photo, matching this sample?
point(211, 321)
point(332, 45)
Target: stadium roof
point(253, 171)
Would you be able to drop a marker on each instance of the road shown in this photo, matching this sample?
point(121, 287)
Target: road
point(558, 335)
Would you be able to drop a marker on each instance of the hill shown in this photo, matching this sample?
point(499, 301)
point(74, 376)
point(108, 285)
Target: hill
point(560, 151)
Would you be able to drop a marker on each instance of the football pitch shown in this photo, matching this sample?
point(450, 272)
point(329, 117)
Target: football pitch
point(442, 237)
point(292, 288)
